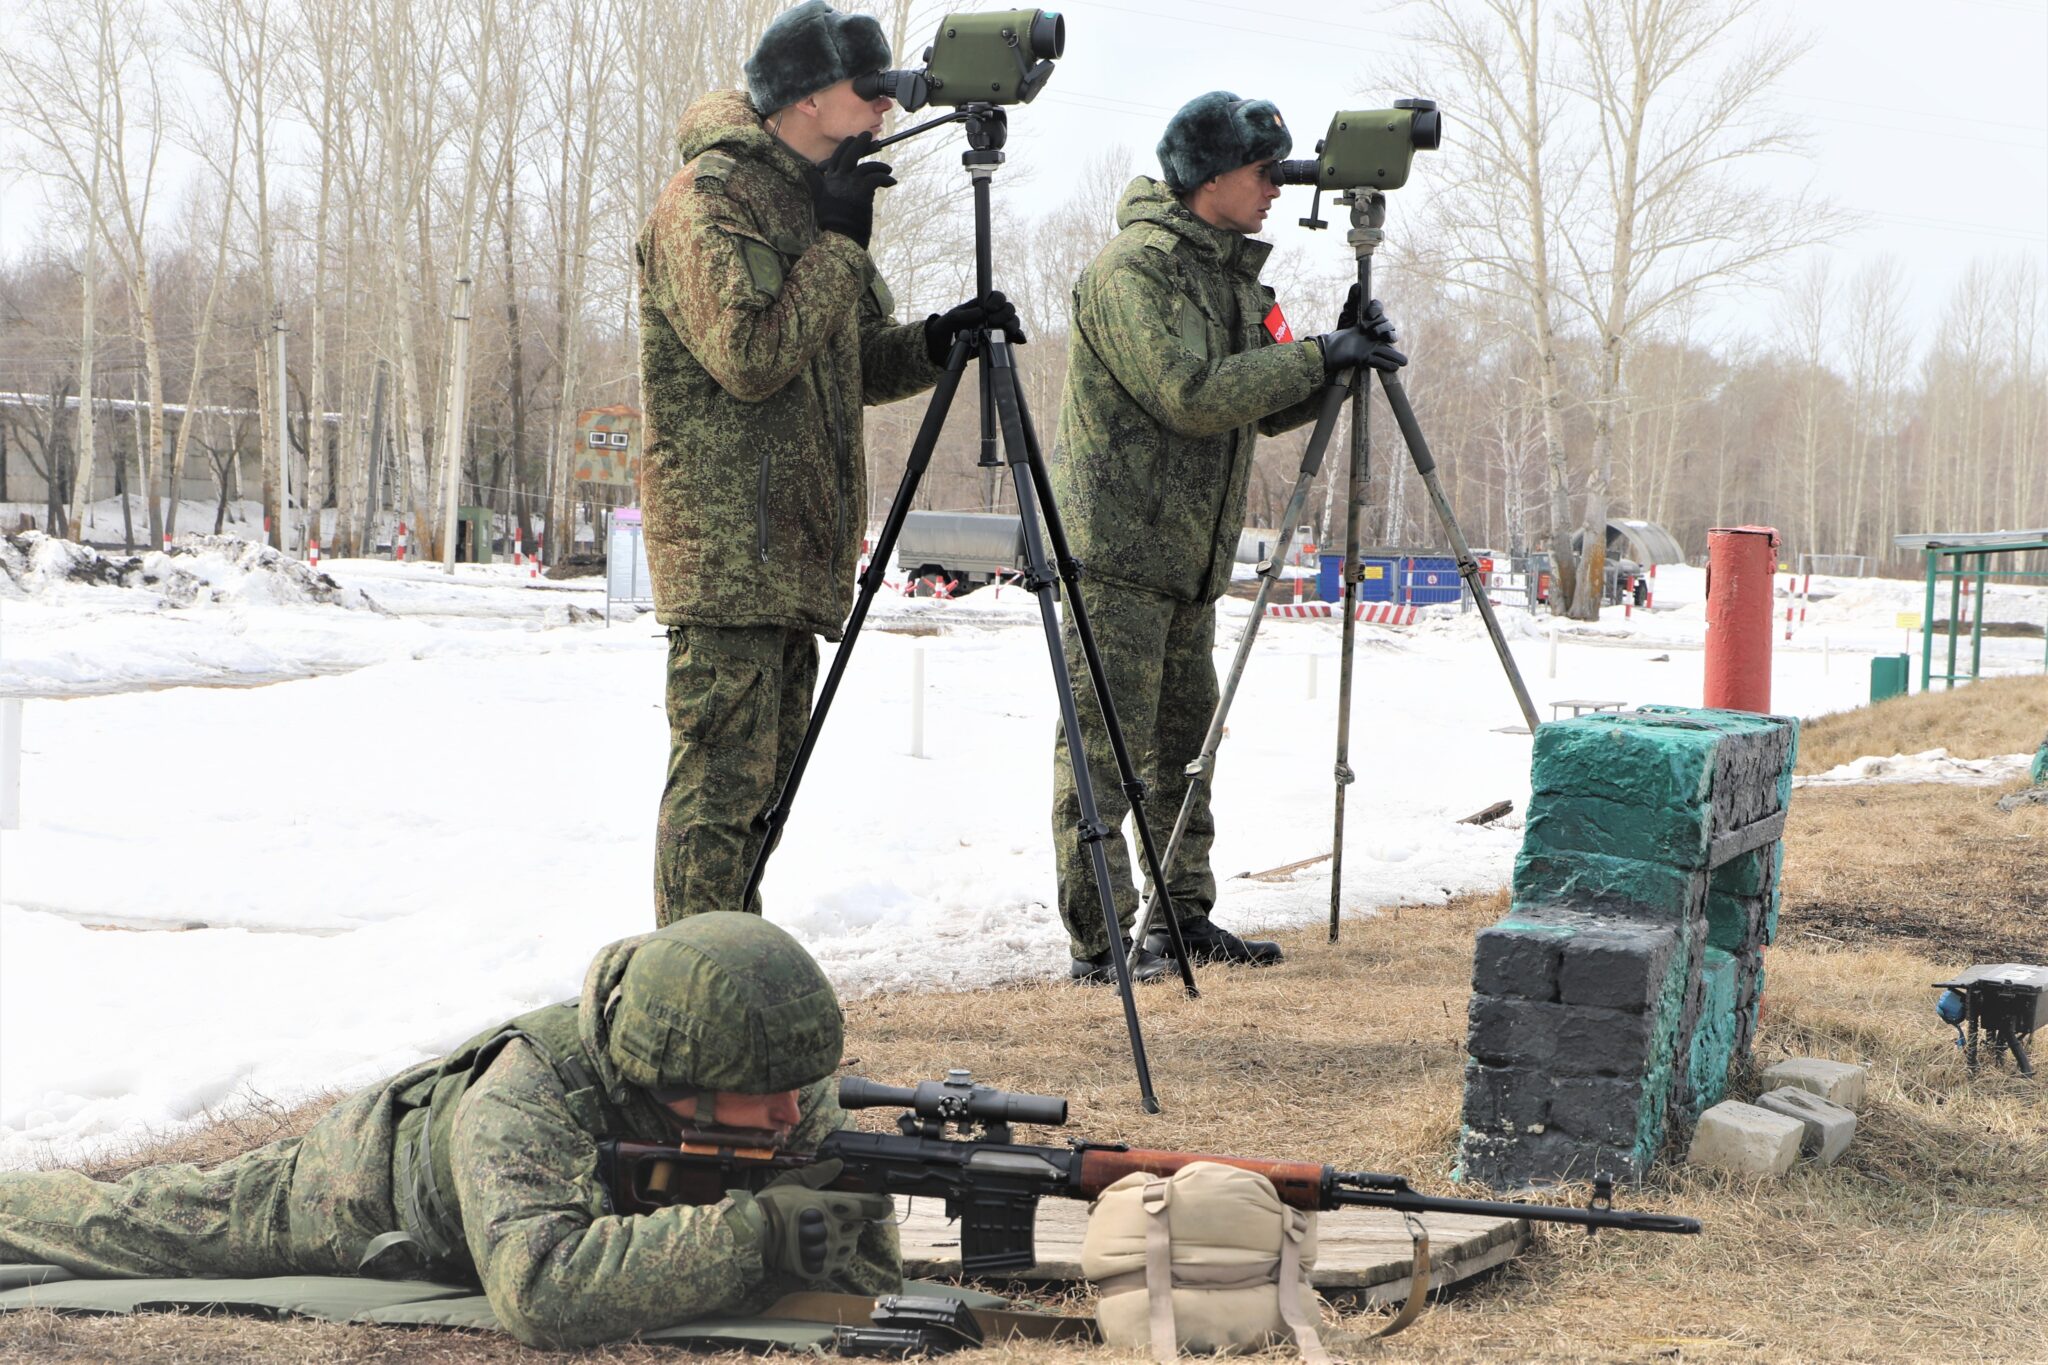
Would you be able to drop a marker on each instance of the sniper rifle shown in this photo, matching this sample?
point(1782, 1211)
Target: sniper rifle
point(992, 1185)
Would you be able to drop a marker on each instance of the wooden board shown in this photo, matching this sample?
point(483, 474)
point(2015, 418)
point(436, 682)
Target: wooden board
point(1365, 1251)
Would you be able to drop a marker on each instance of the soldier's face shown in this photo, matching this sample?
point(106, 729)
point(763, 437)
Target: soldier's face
point(843, 114)
point(775, 1114)
point(1237, 200)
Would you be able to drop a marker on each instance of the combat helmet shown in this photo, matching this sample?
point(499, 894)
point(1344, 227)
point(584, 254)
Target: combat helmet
point(724, 1001)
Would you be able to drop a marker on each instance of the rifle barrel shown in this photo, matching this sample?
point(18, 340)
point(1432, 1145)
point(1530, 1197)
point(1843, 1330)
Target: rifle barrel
point(1413, 1201)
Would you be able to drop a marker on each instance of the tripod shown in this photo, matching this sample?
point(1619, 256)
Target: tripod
point(1368, 221)
point(1005, 413)
point(1368, 216)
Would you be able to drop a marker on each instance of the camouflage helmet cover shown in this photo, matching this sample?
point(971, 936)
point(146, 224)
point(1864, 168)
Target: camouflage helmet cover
point(724, 1001)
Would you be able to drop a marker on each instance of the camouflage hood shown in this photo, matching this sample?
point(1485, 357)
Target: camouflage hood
point(725, 121)
point(593, 1014)
point(1146, 200)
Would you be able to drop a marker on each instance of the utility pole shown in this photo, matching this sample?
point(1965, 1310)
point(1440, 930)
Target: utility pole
point(452, 428)
point(284, 440)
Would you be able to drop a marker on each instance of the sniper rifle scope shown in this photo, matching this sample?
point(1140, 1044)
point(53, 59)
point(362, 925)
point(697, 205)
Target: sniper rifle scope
point(1368, 148)
point(1002, 57)
point(957, 1099)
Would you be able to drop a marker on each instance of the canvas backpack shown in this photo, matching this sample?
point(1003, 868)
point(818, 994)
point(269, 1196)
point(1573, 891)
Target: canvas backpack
point(1207, 1259)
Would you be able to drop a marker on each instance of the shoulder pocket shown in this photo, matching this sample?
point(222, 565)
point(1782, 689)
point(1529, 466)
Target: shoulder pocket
point(878, 290)
point(764, 266)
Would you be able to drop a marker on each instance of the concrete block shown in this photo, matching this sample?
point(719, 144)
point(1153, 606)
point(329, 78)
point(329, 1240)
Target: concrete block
point(1546, 1159)
point(1714, 1031)
point(1620, 965)
point(1512, 1032)
point(1842, 1082)
point(1591, 1042)
point(1674, 835)
point(1644, 761)
point(1829, 1127)
point(1598, 1109)
point(1743, 1138)
point(1507, 1099)
point(1628, 887)
point(1519, 960)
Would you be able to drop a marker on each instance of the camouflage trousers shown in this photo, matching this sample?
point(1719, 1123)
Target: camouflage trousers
point(738, 700)
point(1156, 652)
point(303, 1206)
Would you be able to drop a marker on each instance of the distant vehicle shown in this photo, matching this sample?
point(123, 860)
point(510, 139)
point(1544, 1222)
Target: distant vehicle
point(966, 548)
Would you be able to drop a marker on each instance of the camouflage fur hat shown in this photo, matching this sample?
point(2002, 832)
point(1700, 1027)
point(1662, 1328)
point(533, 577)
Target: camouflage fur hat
point(809, 48)
point(1216, 133)
point(724, 1001)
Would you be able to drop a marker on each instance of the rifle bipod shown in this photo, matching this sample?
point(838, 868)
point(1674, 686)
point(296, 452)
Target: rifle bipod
point(1005, 413)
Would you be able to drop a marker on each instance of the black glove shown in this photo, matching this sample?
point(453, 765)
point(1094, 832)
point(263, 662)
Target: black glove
point(1347, 316)
point(991, 312)
point(843, 189)
point(1366, 343)
point(811, 1231)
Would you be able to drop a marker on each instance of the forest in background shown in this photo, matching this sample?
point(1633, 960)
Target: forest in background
point(368, 171)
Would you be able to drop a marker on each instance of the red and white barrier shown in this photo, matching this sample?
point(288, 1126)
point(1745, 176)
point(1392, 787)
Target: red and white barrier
point(518, 548)
point(398, 544)
point(313, 554)
point(533, 565)
point(1373, 613)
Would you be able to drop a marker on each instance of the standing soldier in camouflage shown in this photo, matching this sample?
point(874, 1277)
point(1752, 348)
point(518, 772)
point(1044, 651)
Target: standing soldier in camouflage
point(764, 330)
point(1178, 359)
point(482, 1167)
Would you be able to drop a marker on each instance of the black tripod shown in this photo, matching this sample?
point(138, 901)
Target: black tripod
point(1004, 412)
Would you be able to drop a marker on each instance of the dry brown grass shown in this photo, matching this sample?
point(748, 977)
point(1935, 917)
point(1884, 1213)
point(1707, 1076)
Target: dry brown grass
point(1988, 717)
point(1930, 1237)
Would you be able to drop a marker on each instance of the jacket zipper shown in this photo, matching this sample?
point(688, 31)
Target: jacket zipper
point(821, 372)
point(761, 507)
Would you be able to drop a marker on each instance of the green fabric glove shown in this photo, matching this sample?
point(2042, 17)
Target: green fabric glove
point(811, 1231)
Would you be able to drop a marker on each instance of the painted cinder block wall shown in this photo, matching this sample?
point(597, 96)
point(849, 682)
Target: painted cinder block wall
point(1622, 987)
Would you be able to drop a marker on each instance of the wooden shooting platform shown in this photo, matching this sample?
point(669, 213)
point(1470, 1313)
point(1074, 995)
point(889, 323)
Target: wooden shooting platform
point(1364, 1251)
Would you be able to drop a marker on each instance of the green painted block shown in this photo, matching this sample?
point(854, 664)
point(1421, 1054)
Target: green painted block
point(1598, 882)
point(1777, 900)
point(1593, 824)
point(1746, 874)
point(1666, 1040)
point(2039, 771)
point(1641, 761)
point(1730, 919)
point(1713, 1039)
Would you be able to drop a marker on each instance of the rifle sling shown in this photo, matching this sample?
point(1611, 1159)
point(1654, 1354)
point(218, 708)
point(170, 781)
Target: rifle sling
point(997, 1324)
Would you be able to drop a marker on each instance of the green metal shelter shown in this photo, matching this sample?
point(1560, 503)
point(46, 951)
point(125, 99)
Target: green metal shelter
point(1960, 557)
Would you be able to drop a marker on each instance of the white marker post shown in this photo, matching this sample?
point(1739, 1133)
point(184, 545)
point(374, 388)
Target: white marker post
point(1312, 676)
point(917, 702)
point(1553, 649)
point(10, 763)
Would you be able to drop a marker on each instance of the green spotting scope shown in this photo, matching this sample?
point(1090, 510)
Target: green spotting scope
point(1002, 57)
point(1368, 148)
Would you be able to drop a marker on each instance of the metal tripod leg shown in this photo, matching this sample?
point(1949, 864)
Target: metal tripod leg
point(1098, 678)
point(770, 822)
point(1026, 474)
point(1468, 567)
point(1269, 577)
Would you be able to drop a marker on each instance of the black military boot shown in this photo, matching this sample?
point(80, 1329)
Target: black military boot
point(1097, 970)
point(1209, 942)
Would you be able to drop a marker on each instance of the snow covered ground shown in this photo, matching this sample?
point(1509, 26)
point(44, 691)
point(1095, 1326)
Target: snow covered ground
point(445, 801)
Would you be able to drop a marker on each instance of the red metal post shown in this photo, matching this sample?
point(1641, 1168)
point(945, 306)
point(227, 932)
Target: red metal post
point(1741, 576)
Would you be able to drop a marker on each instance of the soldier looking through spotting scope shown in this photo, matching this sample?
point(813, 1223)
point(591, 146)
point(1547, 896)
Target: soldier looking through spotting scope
point(1178, 359)
point(765, 329)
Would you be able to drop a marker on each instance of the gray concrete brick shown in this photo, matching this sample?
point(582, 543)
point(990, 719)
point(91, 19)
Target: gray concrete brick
point(1592, 1042)
point(1618, 966)
point(1842, 1082)
point(1507, 1100)
point(1512, 1032)
point(1597, 1108)
point(1738, 1137)
point(1517, 961)
point(1829, 1127)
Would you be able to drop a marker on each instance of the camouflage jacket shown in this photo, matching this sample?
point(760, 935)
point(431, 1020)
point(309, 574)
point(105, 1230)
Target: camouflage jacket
point(1171, 375)
point(559, 1268)
point(761, 339)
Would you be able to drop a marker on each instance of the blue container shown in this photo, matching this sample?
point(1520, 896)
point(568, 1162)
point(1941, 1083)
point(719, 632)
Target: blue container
point(1329, 576)
point(1431, 580)
point(1379, 580)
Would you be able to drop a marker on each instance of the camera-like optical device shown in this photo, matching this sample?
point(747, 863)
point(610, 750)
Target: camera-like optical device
point(1002, 57)
point(1368, 148)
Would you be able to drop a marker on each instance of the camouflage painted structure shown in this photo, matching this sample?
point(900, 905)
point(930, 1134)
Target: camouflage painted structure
point(1623, 986)
point(481, 1167)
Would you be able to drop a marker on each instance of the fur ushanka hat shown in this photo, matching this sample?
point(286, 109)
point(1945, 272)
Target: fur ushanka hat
point(1216, 133)
point(809, 48)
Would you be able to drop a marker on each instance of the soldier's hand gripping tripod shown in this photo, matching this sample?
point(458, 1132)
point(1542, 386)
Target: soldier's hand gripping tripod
point(1005, 413)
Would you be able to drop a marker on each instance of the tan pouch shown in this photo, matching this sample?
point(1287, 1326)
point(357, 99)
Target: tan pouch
point(1206, 1260)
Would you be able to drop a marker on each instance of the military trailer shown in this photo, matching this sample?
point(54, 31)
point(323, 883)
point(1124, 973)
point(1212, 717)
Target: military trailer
point(968, 548)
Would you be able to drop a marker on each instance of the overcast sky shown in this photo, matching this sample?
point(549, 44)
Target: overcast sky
point(1926, 118)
